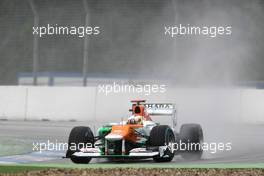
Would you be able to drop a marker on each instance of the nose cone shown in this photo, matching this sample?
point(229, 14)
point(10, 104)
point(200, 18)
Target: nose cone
point(118, 132)
point(113, 137)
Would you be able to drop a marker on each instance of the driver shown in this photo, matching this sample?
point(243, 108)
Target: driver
point(135, 119)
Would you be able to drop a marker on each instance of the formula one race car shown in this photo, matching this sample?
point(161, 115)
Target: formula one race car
point(138, 138)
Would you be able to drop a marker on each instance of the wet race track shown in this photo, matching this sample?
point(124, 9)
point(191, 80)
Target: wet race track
point(17, 138)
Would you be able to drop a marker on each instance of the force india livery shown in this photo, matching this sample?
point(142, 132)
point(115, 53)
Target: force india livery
point(137, 138)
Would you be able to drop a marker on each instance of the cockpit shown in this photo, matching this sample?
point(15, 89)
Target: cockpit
point(137, 116)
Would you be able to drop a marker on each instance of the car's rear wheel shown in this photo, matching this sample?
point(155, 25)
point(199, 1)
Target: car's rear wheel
point(79, 137)
point(191, 135)
point(160, 136)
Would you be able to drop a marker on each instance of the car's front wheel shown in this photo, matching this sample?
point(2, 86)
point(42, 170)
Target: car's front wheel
point(162, 135)
point(79, 137)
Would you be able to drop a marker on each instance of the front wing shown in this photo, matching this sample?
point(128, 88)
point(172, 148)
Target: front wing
point(134, 153)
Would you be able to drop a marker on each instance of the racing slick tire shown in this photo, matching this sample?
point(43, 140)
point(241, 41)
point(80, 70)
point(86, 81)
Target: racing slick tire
point(159, 136)
point(191, 135)
point(79, 136)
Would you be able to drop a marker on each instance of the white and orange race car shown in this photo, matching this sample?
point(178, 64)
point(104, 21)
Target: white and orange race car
point(138, 137)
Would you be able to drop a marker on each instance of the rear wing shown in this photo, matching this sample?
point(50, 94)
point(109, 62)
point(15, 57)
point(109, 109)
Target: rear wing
point(162, 109)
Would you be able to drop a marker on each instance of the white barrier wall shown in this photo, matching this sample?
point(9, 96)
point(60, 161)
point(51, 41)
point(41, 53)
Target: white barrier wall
point(12, 102)
point(54, 103)
point(86, 103)
point(61, 103)
point(252, 106)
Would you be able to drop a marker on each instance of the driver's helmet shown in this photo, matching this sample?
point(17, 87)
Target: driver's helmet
point(134, 120)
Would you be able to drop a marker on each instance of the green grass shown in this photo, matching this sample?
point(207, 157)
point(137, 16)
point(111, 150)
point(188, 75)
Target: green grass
point(28, 167)
point(18, 168)
point(156, 165)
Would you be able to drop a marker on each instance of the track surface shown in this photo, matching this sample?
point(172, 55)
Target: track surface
point(247, 143)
